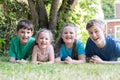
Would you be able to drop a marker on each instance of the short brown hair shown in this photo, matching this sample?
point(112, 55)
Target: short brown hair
point(24, 24)
point(95, 22)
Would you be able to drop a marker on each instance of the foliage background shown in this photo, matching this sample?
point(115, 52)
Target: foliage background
point(108, 8)
point(13, 11)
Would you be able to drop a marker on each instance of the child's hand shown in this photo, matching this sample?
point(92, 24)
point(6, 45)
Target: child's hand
point(22, 61)
point(39, 62)
point(96, 59)
point(68, 60)
point(57, 59)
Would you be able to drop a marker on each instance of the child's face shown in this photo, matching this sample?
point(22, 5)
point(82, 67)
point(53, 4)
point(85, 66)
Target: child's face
point(24, 35)
point(43, 40)
point(68, 35)
point(97, 35)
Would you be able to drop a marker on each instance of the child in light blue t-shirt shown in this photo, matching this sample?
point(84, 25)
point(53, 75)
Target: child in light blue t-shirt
point(68, 49)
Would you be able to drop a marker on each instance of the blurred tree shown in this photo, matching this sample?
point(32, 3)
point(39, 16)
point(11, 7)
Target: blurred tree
point(40, 16)
point(11, 11)
point(53, 14)
point(108, 8)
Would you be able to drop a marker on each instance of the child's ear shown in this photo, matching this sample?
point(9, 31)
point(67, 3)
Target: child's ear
point(104, 30)
point(75, 36)
point(36, 41)
point(62, 36)
point(31, 33)
point(16, 32)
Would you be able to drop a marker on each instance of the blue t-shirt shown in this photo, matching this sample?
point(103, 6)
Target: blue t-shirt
point(110, 52)
point(64, 52)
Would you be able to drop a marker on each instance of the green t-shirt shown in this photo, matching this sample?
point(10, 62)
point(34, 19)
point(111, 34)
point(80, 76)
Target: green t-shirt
point(19, 51)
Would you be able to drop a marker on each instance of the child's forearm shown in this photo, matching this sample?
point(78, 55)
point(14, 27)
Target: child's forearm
point(50, 62)
point(22, 61)
point(109, 62)
point(12, 60)
point(78, 61)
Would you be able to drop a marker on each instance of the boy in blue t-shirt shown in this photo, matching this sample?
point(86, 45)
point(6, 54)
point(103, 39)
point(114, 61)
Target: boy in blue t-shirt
point(21, 45)
point(100, 48)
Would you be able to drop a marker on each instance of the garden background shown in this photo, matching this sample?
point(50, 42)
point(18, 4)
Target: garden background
point(53, 14)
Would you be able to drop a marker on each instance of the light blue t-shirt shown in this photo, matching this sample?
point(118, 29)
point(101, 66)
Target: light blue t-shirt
point(64, 52)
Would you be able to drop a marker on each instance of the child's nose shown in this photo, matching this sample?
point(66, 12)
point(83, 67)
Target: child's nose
point(94, 35)
point(26, 34)
point(68, 34)
point(43, 39)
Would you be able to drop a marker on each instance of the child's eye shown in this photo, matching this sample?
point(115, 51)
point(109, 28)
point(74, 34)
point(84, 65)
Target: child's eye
point(46, 38)
point(90, 32)
point(65, 33)
point(22, 32)
point(71, 32)
point(41, 38)
point(28, 32)
point(96, 31)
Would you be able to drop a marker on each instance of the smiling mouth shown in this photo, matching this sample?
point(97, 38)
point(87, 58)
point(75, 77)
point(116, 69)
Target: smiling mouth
point(25, 38)
point(43, 44)
point(95, 39)
point(68, 38)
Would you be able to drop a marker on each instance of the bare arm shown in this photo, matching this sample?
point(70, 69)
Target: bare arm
point(98, 60)
point(51, 55)
point(58, 60)
point(34, 55)
point(12, 59)
point(110, 62)
point(81, 59)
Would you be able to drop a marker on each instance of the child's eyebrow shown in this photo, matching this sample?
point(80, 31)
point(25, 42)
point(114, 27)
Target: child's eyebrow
point(27, 28)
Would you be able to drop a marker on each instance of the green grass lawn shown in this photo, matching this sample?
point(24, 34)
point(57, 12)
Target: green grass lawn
point(87, 71)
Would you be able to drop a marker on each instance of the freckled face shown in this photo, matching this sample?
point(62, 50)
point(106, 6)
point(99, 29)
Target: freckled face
point(24, 35)
point(96, 35)
point(43, 40)
point(68, 35)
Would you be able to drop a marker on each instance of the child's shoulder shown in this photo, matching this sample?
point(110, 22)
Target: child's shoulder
point(36, 47)
point(78, 41)
point(50, 46)
point(110, 39)
point(32, 38)
point(15, 38)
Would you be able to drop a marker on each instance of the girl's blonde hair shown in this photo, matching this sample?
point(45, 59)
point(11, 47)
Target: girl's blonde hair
point(46, 31)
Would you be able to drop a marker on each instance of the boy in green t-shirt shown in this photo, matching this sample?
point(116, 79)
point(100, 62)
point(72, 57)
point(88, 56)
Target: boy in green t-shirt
point(21, 45)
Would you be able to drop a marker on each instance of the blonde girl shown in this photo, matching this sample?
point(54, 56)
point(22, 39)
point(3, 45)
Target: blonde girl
point(43, 51)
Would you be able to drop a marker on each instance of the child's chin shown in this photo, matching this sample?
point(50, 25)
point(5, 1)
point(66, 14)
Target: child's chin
point(24, 42)
point(70, 41)
point(43, 47)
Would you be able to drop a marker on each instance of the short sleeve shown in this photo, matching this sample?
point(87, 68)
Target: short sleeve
point(11, 51)
point(88, 48)
point(117, 49)
point(80, 47)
